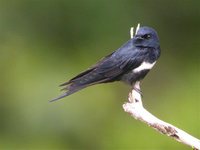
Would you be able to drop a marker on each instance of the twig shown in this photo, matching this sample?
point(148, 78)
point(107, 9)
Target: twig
point(135, 108)
point(132, 30)
point(138, 26)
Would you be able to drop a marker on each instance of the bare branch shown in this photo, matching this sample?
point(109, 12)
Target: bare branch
point(135, 108)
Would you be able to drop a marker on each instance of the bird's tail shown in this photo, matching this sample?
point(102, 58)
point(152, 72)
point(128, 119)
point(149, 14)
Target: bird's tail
point(81, 81)
point(68, 92)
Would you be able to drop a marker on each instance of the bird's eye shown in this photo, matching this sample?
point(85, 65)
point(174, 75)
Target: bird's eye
point(146, 36)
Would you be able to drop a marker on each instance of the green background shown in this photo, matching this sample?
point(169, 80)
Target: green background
point(43, 43)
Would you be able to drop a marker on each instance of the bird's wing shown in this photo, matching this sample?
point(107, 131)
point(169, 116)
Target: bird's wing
point(115, 66)
point(110, 68)
point(92, 68)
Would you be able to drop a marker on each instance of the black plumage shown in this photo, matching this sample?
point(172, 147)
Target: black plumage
point(130, 63)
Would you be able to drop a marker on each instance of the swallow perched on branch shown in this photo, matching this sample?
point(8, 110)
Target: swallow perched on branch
point(130, 63)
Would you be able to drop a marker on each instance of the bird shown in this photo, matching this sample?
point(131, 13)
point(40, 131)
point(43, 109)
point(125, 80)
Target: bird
point(129, 63)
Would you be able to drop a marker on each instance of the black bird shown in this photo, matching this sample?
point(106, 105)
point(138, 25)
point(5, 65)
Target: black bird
point(130, 63)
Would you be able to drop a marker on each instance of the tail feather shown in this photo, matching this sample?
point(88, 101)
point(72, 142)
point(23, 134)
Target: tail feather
point(81, 81)
point(57, 98)
point(70, 90)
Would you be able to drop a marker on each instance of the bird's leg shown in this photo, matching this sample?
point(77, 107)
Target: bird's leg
point(135, 96)
point(136, 87)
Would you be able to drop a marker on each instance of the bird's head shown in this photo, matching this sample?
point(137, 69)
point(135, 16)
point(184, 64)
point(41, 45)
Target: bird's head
point(146, 37)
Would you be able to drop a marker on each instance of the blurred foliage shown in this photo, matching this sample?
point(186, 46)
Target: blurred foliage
point(46, 42)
